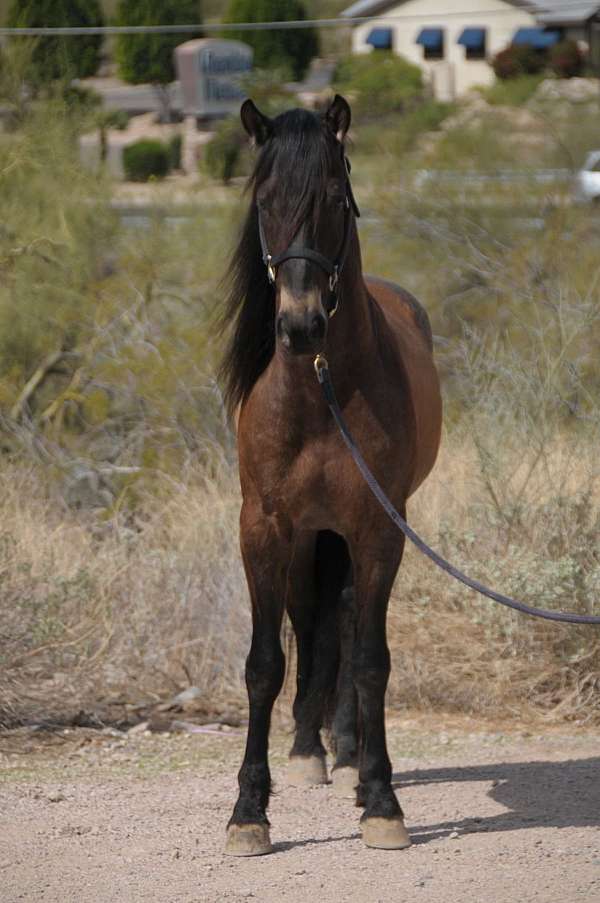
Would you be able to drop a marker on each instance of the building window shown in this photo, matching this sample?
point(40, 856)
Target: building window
point(432, 42)
point(538, 38)
point(380, 38)
point(474, 42)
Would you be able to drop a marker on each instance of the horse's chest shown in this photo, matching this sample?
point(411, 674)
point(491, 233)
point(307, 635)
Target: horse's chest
point(315, 483)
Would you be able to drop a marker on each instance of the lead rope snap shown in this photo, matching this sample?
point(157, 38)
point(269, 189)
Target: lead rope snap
point(320, 365)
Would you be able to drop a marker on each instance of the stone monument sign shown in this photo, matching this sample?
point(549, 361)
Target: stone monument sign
point(210, 72)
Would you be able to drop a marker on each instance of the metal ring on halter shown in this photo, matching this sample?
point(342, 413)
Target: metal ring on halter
point(334, 279)
point(270, 269)
point(335, 307)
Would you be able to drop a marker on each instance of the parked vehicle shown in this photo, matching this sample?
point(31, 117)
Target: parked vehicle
point(588, 178)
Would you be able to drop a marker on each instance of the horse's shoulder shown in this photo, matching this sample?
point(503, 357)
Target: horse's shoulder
point(388, 296)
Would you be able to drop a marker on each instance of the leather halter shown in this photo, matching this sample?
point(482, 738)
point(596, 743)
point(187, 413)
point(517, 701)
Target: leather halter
point(333, 268)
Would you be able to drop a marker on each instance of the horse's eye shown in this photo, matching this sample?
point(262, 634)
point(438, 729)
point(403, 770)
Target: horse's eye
point(262, 204)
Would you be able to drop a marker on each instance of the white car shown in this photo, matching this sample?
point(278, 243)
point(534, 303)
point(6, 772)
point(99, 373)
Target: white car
point(588, 178)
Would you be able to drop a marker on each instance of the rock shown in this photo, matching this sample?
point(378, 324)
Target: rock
point(56, 797)
point(574, 90)
point(453, 835)
point(140, 728)
point(189, 695)
point(188, 727)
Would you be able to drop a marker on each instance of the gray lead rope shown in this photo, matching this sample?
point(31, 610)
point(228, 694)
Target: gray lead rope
point(322, 370)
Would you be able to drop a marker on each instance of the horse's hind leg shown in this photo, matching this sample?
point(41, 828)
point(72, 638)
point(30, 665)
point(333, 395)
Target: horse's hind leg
point(344, 728)
point(307, 756)
point(313, 607)
point(266, 555)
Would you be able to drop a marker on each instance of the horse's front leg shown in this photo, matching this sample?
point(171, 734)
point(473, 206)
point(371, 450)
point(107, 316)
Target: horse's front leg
point(376, 559)
point(266, 555)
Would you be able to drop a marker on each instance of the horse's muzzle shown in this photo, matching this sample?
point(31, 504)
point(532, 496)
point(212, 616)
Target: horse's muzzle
point(301, 332)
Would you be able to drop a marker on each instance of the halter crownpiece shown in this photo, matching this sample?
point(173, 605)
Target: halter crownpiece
point(332, 268)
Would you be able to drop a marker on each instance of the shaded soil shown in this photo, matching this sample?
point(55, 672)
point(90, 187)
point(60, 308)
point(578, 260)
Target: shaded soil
point(495, 815)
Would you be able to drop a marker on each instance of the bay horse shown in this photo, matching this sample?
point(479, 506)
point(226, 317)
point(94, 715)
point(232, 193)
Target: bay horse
point(314, 541)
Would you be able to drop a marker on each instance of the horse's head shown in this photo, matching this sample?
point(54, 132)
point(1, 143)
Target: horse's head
point(304, 210)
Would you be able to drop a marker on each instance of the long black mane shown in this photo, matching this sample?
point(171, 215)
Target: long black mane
point(300, 155)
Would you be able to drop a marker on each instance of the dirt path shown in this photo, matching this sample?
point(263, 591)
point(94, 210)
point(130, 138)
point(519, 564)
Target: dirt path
point(494, 816)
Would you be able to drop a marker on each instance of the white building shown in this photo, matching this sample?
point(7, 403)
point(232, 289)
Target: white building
point(454, 47)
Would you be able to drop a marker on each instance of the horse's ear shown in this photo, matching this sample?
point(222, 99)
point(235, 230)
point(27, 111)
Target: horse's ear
point(258, 126)
point(338, 116)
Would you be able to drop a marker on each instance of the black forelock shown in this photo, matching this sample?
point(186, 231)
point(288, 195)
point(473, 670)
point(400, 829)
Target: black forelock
point(301, 155)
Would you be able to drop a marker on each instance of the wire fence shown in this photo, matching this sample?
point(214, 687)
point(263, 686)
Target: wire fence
point(215, 27)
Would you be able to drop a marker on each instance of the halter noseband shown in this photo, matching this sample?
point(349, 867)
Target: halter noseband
point(333, 268)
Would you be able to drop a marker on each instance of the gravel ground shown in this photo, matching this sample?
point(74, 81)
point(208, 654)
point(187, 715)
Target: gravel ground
point(495, 815)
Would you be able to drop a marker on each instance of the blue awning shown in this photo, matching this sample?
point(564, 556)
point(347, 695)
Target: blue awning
point(432, 38)
point(380, 38)
point(472, 38)
point(536, 37)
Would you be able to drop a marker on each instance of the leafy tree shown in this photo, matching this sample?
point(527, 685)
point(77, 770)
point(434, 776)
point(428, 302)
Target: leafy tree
point(60, 58)
point(149, 57)
point(290, 49)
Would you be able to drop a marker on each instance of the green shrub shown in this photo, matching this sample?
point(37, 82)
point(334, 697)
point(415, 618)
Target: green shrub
point(518, 59)
point(566, 59)
point(223, 155)
point(174, 147)
point(146, 159)
point(378, 83)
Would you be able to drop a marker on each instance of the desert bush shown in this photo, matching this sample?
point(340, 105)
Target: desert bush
point(146, 159)
point(223, 156)
point(517, 60)
point(512, 92)
point(566, 59)
point(379, 83)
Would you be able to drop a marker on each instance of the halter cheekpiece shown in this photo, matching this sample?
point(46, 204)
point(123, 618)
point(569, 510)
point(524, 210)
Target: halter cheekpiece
point(333, 268)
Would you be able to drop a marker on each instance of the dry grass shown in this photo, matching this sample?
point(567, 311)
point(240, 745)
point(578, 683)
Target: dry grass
point(93, 610)
point(455, 650)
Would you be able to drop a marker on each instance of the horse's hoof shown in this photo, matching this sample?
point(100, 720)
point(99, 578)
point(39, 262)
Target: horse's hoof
point(385, 833)
point(344, 782)
point(248, 840)
point(306, 771)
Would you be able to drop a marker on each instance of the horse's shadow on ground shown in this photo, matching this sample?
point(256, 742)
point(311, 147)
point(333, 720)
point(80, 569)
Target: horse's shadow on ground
point(536, 794)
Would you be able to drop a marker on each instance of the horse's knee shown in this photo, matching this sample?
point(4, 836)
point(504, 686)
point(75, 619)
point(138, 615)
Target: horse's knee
point(371, 674)
point(264, 674)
